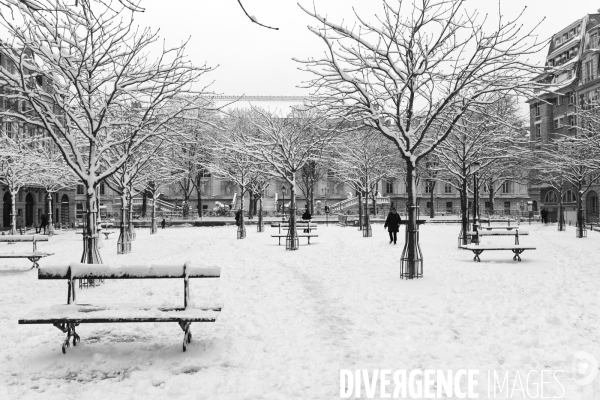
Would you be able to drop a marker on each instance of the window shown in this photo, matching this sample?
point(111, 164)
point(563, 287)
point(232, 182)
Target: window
point(551, 197)
point(569, 197)
point(572, 98)
point(556, 125)
point(559, 101)
point(79, 189)
point(593, 205)
point(448, 206)
point(537, 109)
point(538, 131)
point(79, 211)
point(102, 188)
point(486, 187)
point(447, 188)
point(429, 186)
point(506, 187)
point(389, 187)
point(588, 71)
point(488, 205)
point(507, 206)
point(572, 120)
point(429, 205)
point(558, 41)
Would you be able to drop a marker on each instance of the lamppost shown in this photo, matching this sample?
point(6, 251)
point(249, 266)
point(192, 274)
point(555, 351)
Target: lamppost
point(283, 188)
point(475, 168)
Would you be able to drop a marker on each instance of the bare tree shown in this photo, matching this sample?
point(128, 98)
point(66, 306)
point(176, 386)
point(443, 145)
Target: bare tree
point(85, 72)
point(412, 74)
point(280, 146)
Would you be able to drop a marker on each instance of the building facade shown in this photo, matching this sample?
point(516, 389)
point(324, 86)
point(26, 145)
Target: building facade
point(573, 79)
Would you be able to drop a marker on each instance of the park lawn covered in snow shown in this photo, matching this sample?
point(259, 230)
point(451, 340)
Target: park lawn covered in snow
point(292, 320)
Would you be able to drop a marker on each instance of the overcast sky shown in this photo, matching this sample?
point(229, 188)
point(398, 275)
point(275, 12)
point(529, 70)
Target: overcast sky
point(257, 61)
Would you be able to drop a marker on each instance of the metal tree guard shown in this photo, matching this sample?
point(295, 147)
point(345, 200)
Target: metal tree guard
point(241, 231)
point(367, 231)
point(291, 240)
point(260, 227)
point(581, 230)
point(50, 224)
point(130, 227)
point(124, 242)
point(411, 260)
point(90, 249)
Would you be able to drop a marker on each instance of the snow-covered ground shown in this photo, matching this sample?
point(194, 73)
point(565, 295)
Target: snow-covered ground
point(292, 320)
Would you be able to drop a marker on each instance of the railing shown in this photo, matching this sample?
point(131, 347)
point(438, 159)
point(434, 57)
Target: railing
point(354, 201)
point(593, 44)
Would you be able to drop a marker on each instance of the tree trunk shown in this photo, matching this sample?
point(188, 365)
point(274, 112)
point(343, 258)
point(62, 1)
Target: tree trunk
point(13, 212)
point(241, 232)
point(50, 223)
point(464, 211)
point(90, 255)
point(491, 199)
point(130, 227)
point(360, 211)
point(431, 209)
point(153, 226)
point(561, 221)
point(411, 257)
point(260, 216)
point(291, 242)
point(144, 203)
point(199, 196)
point(250, 204)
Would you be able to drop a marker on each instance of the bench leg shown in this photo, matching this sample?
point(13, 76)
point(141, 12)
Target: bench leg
point(517, 254)
point(477, 253)
point(69, 329)
point(187, 333)
point(34, 260)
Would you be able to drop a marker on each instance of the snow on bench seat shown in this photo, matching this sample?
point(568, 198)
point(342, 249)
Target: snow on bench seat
point(114, 313)
point(140, 271)
point(33, 256)
point(498, 233)
point(24, 238)
point(506, 227)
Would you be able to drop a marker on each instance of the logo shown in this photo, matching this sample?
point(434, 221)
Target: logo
point(585, 368)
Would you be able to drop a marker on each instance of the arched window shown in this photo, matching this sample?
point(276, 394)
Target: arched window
point(551, 197)
point(569, 197)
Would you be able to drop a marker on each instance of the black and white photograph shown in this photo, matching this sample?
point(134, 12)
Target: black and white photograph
point(299, 200)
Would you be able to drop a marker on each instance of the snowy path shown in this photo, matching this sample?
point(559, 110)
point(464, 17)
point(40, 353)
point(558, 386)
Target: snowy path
point(292, 320)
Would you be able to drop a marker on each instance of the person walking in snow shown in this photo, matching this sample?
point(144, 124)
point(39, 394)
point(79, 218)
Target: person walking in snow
point(238, 217)
point(392, 223)
point(163, 223)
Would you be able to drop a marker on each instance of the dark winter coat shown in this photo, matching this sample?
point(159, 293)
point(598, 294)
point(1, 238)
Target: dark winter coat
point(44, 219)
point(238, 217)
point(306, 215)
point(392, 222)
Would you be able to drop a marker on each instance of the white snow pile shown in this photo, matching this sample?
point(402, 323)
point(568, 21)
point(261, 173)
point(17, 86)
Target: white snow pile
point(292, 320)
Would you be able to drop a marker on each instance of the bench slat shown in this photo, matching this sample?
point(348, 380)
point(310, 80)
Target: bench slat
point(485, 247)
point(140, 271)
point(297, 235)
point(26, 254)
point(119, 313)
point(498, 233)
point(23, 238)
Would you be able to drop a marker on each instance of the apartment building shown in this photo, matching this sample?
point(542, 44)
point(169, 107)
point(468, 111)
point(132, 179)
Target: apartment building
point(572, 79)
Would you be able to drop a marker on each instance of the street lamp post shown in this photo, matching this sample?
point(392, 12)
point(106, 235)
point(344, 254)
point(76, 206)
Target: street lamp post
point(476, 165)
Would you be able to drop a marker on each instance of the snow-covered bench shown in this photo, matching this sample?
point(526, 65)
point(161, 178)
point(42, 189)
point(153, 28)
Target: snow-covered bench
point(299, 225)
point(478, 249)
point(476, 234)
point(67, 316)
point(33, 256)
point(306, 235)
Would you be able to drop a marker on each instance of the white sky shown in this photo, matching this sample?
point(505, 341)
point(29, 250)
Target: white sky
point(257, 61)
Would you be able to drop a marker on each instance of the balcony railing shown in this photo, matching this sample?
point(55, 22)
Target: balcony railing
point(593, 44)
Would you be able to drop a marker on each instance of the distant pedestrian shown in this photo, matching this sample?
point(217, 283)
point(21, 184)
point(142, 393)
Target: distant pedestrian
point(44, 224)
point(163, 223)
point(392, 223)
point(544, 215)
point(306, 215)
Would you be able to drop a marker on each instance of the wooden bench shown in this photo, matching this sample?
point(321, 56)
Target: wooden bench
point(299, 225)
point(478, 249)
point(33, 256)
point(306, 235)
point(475, 235)
point(67, 316)
point(492, 227)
